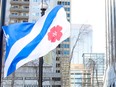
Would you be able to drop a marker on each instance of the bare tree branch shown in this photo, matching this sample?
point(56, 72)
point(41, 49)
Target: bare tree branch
point(81, 32)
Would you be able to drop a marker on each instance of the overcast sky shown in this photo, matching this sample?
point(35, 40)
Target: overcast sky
point(91, 12)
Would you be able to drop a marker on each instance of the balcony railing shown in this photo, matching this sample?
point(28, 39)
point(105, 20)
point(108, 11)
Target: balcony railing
point(19, 16)
point(19, 2)
point(19, 9)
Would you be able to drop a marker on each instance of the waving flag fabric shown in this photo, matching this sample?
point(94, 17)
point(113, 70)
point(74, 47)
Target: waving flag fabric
point(27, 41)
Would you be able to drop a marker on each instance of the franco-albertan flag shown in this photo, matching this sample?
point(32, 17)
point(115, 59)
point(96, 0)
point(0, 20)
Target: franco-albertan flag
point(28, 41)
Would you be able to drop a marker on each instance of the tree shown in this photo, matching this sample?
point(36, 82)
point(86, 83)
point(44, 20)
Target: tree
point(93, 66)
point(82, 32)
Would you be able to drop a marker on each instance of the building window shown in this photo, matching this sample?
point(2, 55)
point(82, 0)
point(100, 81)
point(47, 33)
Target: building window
point(58, 52)
point(35, 0)
point(67, 9)
point(15, 0)
point(46, 86)
point(69, 20)
point(67, 40)
point(57, 58)
point(59, 2)
point(68, 15)
point(56, 78)
point(56, 85)
point(72, 73)
point(63, 3)
point(14, 14)
point(66, 52)
point(30, 86)
point(26, 7)
point(24, 14)
point(57, 65)
point(25, 21)
point(68, 3)
point(65, 45)
point(26, 0)
point(59, 46)
point(14, 6)
point(57, 71)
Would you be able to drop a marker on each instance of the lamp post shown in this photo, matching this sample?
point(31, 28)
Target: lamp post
point(44, 6)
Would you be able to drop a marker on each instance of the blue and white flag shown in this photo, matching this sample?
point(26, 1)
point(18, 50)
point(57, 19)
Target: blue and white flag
point(28, 41)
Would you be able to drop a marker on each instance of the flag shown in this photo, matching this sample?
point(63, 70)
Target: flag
point(28, 41)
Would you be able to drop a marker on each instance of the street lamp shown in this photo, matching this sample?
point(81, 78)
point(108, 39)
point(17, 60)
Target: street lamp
point(44, 6)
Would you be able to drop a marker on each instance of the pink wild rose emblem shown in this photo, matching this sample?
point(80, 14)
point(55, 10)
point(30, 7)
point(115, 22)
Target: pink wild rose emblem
point(55, 33)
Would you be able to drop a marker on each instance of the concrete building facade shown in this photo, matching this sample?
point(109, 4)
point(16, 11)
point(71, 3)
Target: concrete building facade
point(110, 74)
point(63, 50)
point(80, 77)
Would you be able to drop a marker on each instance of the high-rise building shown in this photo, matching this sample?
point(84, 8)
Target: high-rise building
point(63, 50)
point(80, 42)
point(17, 11)
point(25, 10)
point(110, 43)
point(80, 77)
point(96, 63)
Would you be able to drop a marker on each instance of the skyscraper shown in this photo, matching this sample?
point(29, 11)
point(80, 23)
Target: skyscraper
point(63, 50)
point(17, 11)
point(110, 43)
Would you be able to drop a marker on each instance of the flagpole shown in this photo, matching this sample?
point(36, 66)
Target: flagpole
point(43, 9)
point(40, 71)
point(2, 20)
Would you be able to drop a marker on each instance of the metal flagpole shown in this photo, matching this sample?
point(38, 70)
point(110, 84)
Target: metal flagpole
point(43, 9)
point(2, 20)
point(40, 71)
